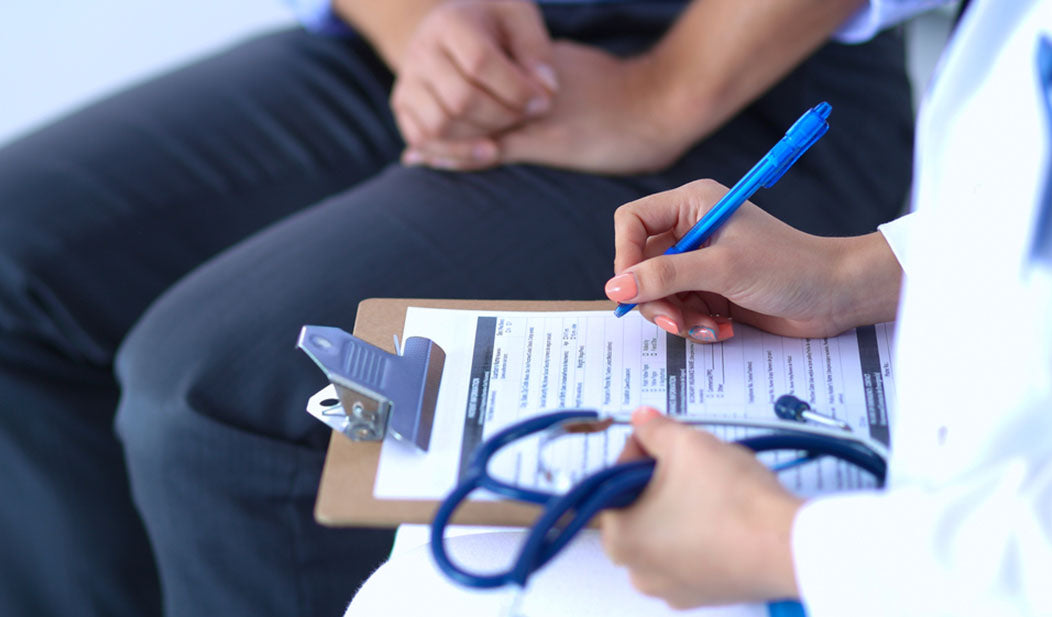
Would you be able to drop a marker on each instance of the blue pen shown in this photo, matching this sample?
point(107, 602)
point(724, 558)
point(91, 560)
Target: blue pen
point(801, 136)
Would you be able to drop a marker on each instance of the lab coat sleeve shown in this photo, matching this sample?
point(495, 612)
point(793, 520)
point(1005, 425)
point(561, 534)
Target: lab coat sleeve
point(981, 546)
point(879, 14)
point(896, 233)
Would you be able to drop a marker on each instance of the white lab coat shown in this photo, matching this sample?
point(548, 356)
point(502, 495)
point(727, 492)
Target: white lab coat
point(965, 525)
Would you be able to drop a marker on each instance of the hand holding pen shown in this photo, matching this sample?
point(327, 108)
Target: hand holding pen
point(801, 136)
point(753, 269)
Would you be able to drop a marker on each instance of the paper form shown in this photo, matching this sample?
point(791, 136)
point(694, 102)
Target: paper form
point(504, 366)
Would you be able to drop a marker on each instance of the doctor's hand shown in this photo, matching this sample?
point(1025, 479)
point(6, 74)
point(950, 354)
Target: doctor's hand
point(608, 117)
point(754, 270)
point(470, 69)
point(712, 527)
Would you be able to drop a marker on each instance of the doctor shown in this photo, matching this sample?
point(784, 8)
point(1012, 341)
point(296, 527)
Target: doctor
point(965, 523)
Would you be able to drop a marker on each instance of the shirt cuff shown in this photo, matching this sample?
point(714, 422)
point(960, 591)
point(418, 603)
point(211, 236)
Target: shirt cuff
point(896, 233)
point(318, 17)
point(880, 14)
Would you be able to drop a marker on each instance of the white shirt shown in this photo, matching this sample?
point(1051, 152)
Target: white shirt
point(878, 14)
point(964, 526)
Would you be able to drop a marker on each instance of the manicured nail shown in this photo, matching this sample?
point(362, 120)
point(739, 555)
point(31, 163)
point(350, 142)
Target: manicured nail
point(726, 330)
point(537, 105)
point(622, 287)
point(484, 151)
point(643, 414)
point(666, 324)
point(412, 157)
point(547, 76)
point(702, 334)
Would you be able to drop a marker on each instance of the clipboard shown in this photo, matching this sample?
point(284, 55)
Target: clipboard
point(345, 492)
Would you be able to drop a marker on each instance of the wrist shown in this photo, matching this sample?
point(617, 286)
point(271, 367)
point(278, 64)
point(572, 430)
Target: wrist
point(781, 570)
point(697, 87)
point(672, 113)
point(761, 536)
point(388, 26)
point(868, 278)
point(772, 572)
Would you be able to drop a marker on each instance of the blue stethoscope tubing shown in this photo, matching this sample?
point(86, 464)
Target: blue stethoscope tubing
point(564, 515)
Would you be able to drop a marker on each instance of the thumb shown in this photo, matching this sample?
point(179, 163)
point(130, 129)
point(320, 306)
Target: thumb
point(528, 42)
point(654, 430)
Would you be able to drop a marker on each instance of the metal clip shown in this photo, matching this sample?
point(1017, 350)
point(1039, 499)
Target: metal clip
point(788, 407)
point(374, 392)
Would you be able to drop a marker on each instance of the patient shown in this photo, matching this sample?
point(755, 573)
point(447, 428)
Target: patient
point(160, 249)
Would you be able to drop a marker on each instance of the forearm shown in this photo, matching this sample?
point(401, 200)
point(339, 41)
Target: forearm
point(722, 54)
point(868, 278)
point(387, 24)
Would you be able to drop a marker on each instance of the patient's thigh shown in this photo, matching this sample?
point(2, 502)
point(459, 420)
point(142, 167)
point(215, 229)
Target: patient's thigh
point(514, 232)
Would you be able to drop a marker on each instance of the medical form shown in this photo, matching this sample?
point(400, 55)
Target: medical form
point(503, 366)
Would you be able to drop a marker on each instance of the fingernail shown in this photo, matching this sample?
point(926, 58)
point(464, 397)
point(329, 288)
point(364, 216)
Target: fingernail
point(547, 76)
point(643, 414)
point(537, 105)
point(412, 157)
point(483, 151)
point(726, 330)
point(666, 324)
point(702, 334)
point(622, 287)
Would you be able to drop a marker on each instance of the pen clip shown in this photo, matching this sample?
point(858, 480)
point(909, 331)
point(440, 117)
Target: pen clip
point(810, 128)
point(792, 156)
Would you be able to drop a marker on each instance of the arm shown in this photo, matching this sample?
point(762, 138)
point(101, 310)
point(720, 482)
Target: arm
point(692, 539)
point(723, 54)
point(627, 115)
point(755, 269)
point(387, 25)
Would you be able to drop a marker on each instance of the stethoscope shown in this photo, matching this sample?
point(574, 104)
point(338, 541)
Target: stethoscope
point(565, 514)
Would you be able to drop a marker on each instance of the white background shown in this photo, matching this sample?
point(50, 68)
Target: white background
point(57, 54)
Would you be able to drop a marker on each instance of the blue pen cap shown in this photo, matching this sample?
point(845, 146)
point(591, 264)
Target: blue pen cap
point(801, 135)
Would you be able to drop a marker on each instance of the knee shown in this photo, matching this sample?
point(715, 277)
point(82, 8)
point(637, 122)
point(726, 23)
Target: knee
point(203, 364)
point(158, 373)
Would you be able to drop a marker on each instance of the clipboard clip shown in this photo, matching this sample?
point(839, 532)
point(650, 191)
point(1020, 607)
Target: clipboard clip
point(373, 393)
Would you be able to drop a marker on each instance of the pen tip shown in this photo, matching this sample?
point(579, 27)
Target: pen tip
point(823, 109)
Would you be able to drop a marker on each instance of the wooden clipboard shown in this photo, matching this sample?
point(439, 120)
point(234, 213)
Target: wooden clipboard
point(345, 494)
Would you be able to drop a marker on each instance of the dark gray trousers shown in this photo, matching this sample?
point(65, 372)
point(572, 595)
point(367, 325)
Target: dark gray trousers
point(160, 249)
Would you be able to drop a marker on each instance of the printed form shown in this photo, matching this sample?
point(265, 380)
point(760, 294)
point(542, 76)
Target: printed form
point(502, 367)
